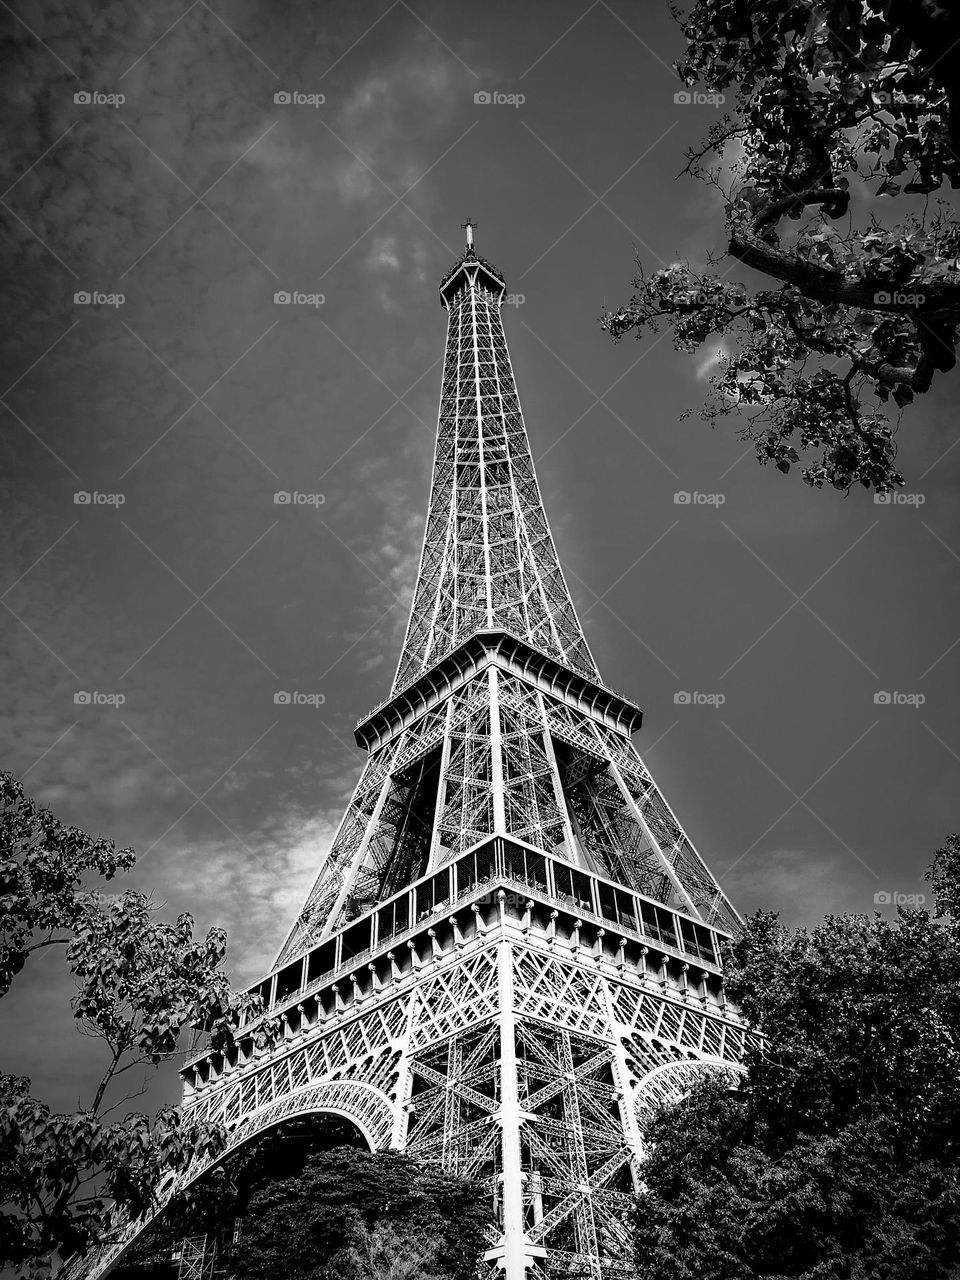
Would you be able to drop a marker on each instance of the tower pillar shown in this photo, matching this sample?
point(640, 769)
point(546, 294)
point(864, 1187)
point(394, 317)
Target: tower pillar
point(514, 1251)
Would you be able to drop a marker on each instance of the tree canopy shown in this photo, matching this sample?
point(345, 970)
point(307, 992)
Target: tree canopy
point(837, 1157)
point(351, 1215)
point(141, 984)
point(308, 1202)
point(843, 126)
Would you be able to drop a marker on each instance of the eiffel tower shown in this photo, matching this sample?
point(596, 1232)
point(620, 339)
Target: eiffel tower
point(510, 954)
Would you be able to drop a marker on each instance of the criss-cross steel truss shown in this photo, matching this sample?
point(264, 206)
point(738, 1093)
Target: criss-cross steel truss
point(510, 955)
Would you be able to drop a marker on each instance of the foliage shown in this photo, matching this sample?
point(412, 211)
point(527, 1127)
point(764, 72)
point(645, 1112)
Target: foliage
point(840, 108)
point(838, 1156)
point(43, 865)
point(141, 983)
point(309, 1200)
point(349, 1215)
point(48, 1163)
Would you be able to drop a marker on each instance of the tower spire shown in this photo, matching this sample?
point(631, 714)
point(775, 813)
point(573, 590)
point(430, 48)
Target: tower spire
point(488, 560)
point(469, 226)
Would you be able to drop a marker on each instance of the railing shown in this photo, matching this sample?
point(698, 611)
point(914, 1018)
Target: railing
point(397, 694)
point(555, 881)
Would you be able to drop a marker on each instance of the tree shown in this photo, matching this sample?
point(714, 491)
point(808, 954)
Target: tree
point(838, 1155)
point(307, 1201)
point(845, 121)
point(141, 983)
point(44, 868)
point(350, 1215)
point(305, 1208)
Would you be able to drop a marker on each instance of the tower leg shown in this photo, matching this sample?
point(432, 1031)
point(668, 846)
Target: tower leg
point(515, 1244)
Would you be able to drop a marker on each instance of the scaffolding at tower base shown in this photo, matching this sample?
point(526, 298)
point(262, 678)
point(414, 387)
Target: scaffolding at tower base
point(196, 1258)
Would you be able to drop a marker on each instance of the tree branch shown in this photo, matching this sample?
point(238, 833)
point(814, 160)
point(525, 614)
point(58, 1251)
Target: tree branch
point(941, 299)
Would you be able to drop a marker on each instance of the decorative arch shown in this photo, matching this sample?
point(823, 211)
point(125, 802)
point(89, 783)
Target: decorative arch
point(362, 1104)
point(366, 1107)
point(671, 1081)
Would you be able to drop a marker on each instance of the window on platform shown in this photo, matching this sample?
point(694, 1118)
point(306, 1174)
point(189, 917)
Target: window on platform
point(573, 885)
point(698, 940)
point(290, 979)
point(433, 894)
point(659, 923)
point(321, 960)
point(356, 939)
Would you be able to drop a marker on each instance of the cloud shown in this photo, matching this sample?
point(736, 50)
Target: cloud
point(383, 253)
point(255, 894)
point(368, 145)
point(710, 360)
point(805, 885)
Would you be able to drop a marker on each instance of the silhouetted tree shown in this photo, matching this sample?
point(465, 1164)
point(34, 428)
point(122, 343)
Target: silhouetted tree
point(350, 1215)
point(308, 1200)
point(838, 1156)
point(843, 120)
point(140, 985)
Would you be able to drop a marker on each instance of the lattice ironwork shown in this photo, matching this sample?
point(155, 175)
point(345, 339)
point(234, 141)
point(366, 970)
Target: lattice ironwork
point(503, 758)
point(488, 558)
point(492, 1036)
point(198, 1258)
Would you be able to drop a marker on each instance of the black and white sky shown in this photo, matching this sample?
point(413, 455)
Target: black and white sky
point(194, 597)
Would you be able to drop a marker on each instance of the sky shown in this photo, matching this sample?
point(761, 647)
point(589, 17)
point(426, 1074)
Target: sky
point(184, 397)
